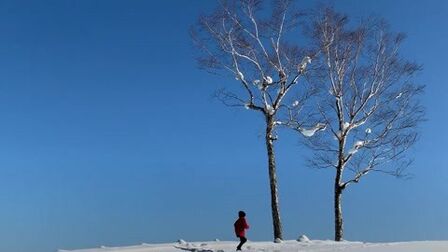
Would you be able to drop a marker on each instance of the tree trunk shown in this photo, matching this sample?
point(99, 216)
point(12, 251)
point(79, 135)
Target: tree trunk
point(338, 221)
point(273, 177)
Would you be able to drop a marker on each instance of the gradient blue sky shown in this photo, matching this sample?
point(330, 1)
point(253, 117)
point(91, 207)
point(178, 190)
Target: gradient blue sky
point(109, 135)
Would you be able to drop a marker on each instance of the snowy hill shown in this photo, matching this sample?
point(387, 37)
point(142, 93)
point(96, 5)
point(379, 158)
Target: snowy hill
point(286, 246)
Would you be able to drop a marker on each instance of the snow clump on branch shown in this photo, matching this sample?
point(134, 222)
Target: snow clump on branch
point(258, 83)
point(345, 126)
point(310, 132)
point(270, 109)
point(356, 146)
point(239, 76)
point(302, 66)
point(268, 80)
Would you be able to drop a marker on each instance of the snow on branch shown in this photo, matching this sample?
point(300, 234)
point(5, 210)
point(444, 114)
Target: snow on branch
point(367, 100)
point(311, 131)
point(254, 50)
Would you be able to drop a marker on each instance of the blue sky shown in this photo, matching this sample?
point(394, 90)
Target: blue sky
point(109, 135)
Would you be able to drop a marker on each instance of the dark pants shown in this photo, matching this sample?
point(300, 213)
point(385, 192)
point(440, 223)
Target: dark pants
point(242, 241)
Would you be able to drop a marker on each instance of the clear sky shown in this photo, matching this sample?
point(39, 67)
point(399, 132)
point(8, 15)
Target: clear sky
point(109, 135)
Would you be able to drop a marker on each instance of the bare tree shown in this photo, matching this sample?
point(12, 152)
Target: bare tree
point(368, 102)
point(251, 44)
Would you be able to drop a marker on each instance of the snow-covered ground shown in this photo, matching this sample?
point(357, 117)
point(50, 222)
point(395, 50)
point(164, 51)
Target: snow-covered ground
point(286, 246)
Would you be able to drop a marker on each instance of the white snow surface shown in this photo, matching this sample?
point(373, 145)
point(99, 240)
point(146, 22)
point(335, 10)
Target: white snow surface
point(285, 246)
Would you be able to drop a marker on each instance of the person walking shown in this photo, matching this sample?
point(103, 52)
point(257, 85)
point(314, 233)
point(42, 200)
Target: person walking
point(240, 229)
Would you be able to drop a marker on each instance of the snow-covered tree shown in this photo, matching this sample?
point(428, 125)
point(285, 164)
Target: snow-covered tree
point(368, 101)
point(255, 46)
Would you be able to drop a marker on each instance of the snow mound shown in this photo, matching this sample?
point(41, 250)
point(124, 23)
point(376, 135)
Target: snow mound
point(303, 238)
point(278, 240)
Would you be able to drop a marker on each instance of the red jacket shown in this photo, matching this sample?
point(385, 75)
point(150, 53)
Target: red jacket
point(240, 227)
